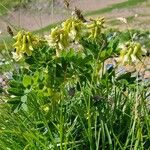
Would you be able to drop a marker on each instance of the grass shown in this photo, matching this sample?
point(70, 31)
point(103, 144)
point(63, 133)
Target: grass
point(115, 22)
point(121, 123)
point(6, 5)
point(47, 28)
point(5, 39)
point(126, 4)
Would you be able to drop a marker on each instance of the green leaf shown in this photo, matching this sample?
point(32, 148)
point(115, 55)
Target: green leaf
point(15, 84)
point(26, 81)
point(24, 107)
point(24, 98)
point(16, 107)
point(35, 77)
point(16, 91)
point(104, 55)
point(15, 100)
point(1, 89)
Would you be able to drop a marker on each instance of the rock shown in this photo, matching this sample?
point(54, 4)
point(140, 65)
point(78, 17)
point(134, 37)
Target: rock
point(147, 75)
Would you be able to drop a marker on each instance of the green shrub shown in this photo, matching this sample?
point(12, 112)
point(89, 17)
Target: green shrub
point(64, 97)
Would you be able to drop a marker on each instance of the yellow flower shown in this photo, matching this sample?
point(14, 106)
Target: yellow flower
point(24, 43)
point(71, 31)
point(61, 37)
point(131, 52)
point(95, 27)
point(73, 27)
point(58, 39)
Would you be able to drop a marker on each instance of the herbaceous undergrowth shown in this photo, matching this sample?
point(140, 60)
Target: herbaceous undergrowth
point(64, 97)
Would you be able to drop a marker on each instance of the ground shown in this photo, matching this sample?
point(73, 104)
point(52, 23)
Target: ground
point(39, 15)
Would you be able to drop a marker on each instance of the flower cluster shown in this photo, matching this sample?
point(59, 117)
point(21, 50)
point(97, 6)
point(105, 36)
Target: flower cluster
point(72, 30)
point(73, 27)
point(95, 27)
point(61, 37)
point(58, 39)
point(25, 42)
point(131, 52)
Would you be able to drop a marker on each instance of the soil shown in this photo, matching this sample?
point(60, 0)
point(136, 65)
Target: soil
point(41, 15)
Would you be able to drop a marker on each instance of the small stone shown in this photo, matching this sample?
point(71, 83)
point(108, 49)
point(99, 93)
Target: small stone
point(148, 67)
point(147, 75)
point(3, 83)
point(1, 79)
